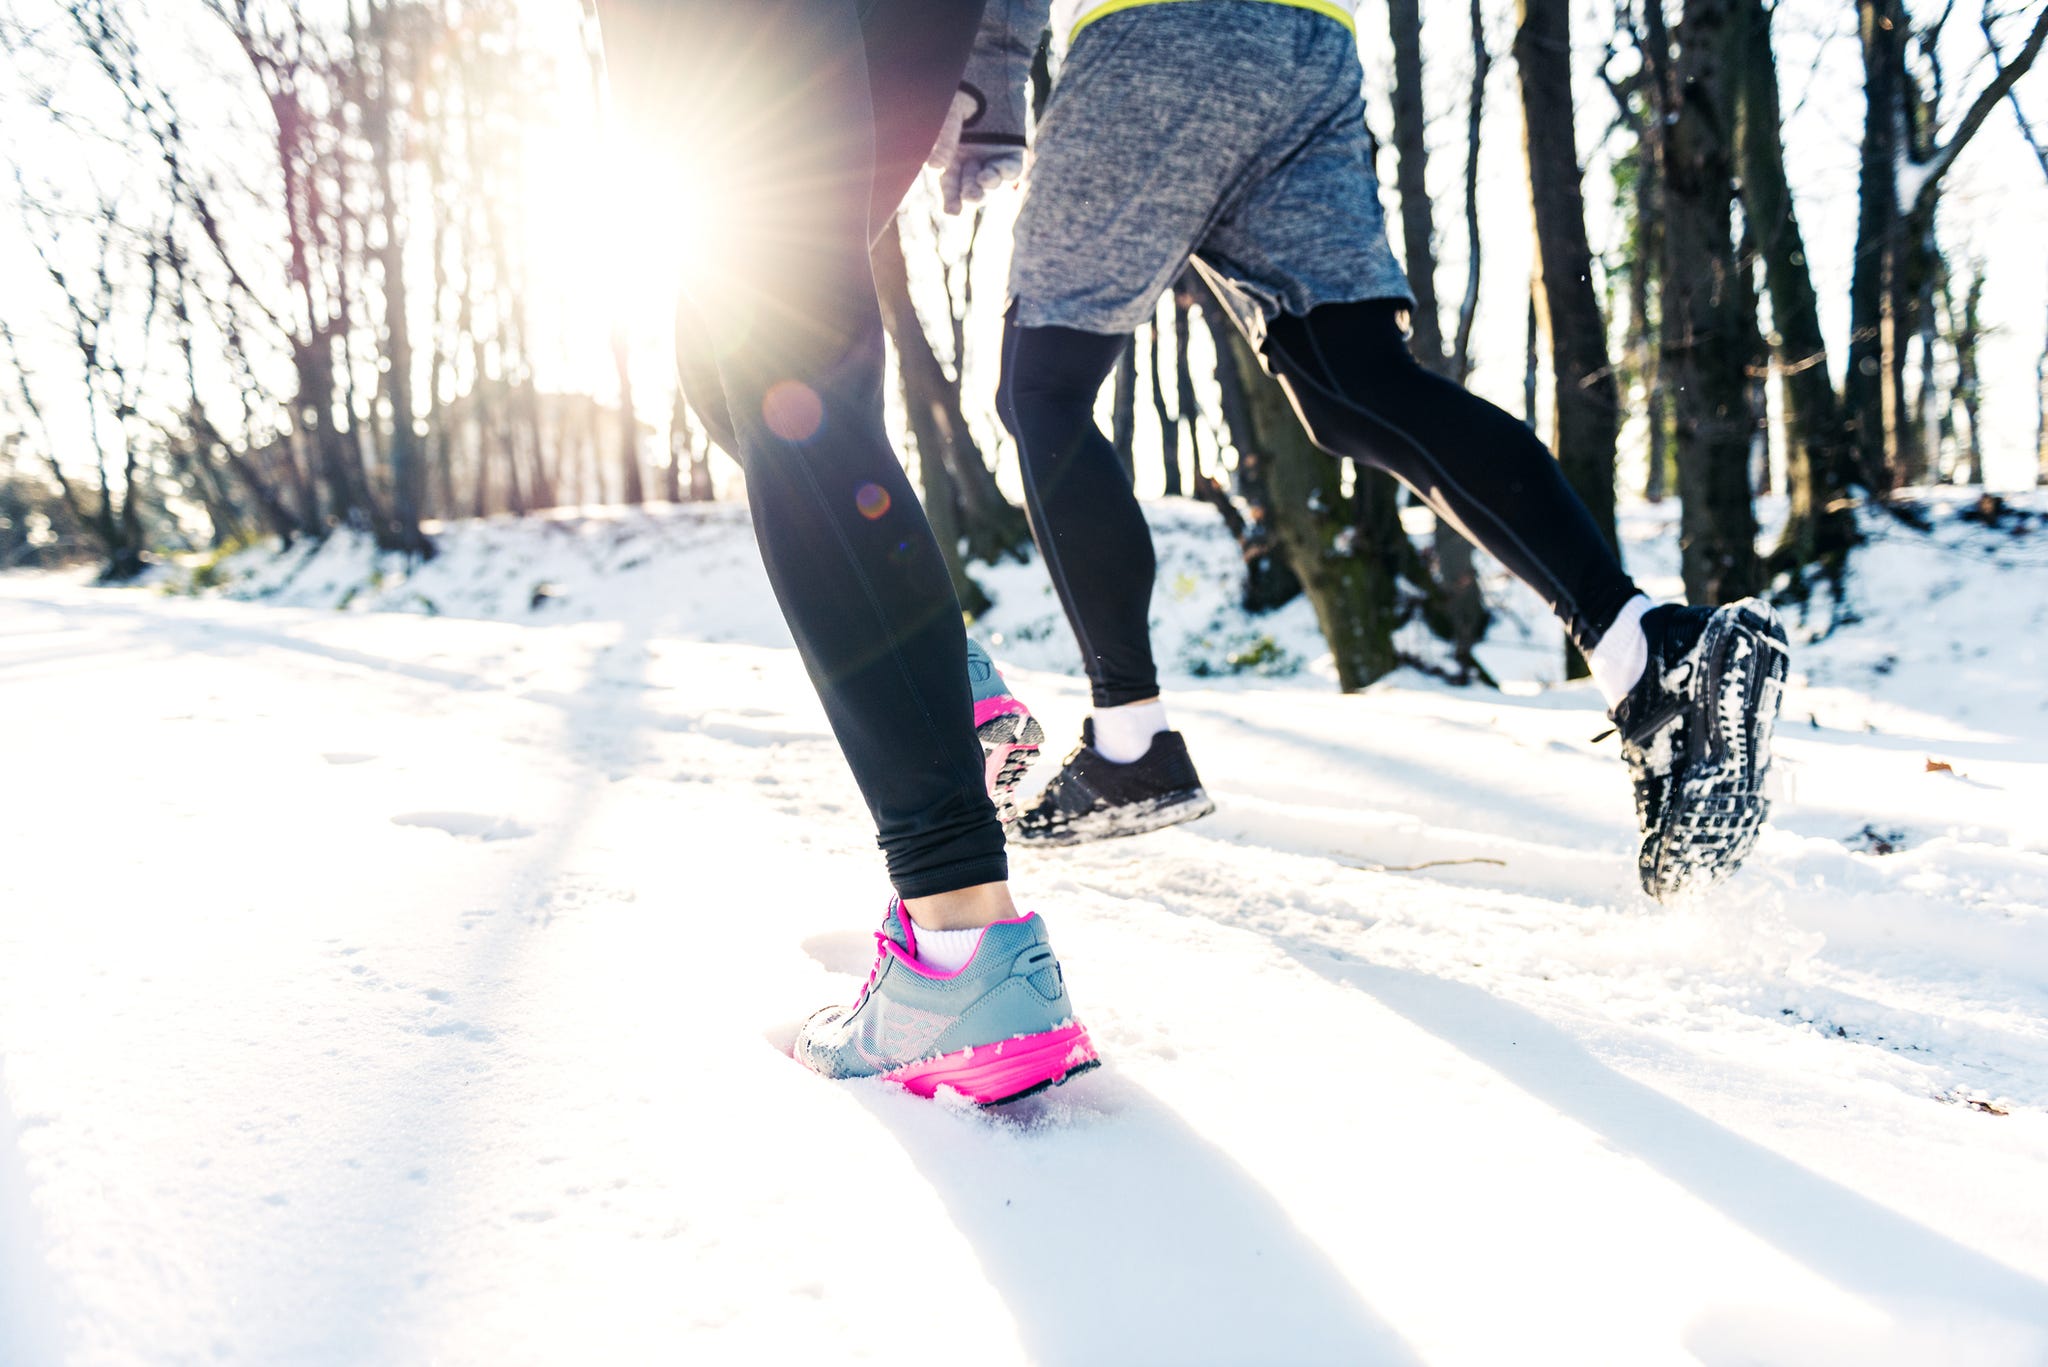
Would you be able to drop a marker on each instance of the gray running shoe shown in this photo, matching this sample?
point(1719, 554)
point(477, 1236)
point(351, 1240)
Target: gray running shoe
point(1000, 1028)
point(1010, 735)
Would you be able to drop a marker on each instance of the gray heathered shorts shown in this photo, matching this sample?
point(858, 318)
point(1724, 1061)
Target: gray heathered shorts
point(1231, 131)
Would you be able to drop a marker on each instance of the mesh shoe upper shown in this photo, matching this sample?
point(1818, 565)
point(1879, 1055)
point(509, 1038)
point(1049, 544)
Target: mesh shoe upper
point(1093, 797)
point(983, 675)
point(906, 1013)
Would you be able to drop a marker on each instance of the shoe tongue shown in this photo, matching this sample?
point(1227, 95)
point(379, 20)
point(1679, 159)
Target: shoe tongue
point(1088, 732)
point(896, 925)
point(1671, 630)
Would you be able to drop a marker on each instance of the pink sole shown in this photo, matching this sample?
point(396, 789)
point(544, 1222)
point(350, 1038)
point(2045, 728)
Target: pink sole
point(1010, 739)
point(988, 1073)
point(988, 709)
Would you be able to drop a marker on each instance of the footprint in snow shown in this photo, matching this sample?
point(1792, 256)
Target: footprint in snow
point(346, 757)
point(465, 825)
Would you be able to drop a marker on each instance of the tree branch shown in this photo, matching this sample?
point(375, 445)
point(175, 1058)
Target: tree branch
point(1980, 109)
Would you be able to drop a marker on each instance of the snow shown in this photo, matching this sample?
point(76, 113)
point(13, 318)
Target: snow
point(409, 985)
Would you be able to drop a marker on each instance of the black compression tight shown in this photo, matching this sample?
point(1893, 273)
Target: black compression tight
point(1362, 395)
point(798, 124)
point(1084, 517)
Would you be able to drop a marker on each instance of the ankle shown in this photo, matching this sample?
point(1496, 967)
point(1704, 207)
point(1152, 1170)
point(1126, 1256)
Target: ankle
point(964, 909)
point(1124, 734)
point(1621, 654)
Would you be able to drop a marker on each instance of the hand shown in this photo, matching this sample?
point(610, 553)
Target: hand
point(967, 173)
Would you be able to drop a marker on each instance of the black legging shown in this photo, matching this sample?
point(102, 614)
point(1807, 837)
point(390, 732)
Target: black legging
point(1361, 394)
point(798, 125)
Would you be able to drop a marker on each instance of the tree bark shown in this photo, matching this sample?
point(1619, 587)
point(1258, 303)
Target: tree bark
point(924, 382)
point(992, 526)
point(1123, 421)
point(1530, 363)
point(1587, 412)
point(1169, 428)
point(400, 528)
point(1468, 307)
point(1704, 335)
point(1465, 609)
point(1881, 25)
point(1820, 529)
point(1411, 181)
point(1968, 394)
point(1348, 580)
point(1269, 580)
point(2041, 415)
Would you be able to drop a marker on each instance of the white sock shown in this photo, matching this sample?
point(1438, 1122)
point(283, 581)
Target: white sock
point(1618, 659)
point(947, 950)
point(1124, 734)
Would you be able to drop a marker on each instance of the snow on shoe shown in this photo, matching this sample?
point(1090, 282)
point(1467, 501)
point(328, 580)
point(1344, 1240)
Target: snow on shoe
point(1696, 733)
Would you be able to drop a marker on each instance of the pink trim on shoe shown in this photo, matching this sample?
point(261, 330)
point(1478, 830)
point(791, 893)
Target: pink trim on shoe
point(988, 709)
point(988, 1073)
point(924, 970)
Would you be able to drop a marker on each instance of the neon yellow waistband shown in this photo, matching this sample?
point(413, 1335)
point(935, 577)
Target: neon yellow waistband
point(1339, 12)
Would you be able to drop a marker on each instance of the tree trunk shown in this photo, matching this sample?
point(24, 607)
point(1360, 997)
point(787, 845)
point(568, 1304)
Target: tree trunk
point(1468, 308)
point(1411, 181)
point(400, 529)
point(1968, 394)
point(922, 379)
point(1169, 429)
point(2041, 415)
point(1466, 609)
point(1123, 422)
point(632, 489)
point(1820, 528)
point(678, 448)
point(1269, 580)
point(1530, 365)
point(1705, 338)
point(1882, 25)
point(1647, 248)
point(1587, 412)
point(992, 526)
point(1346, 576)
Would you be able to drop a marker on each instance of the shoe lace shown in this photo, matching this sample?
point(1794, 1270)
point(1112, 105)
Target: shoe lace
point(875, 970)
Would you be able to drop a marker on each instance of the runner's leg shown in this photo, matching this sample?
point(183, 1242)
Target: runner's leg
point(1362, 394)
point(770, 106)
point(1096, 544)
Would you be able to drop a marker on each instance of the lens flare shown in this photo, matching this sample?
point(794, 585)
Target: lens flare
point(872, 500)
point(794, 412)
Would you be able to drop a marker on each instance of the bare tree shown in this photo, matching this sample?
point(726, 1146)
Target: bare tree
point(992, 527)
point(1705, 342)
point(1588, 415)
point(1905, 162)
point(110, 372)
point(2040, 152)
point(1466, 608)
point(931, 401)
point(1820, 528)
point(1640, 105)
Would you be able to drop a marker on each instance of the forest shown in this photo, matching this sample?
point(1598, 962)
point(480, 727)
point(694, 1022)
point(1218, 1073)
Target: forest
point(284, 270)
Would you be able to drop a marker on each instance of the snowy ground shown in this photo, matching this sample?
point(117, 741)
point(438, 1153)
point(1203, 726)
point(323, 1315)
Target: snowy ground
point(384, 987)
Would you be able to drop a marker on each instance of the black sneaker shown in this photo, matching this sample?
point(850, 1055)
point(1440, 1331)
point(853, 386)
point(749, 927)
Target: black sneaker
point(1092, 798)
point(1696, 732)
